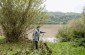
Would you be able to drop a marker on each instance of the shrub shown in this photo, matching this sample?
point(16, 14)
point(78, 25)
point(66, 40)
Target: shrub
point(74, 31)
point(63, 33)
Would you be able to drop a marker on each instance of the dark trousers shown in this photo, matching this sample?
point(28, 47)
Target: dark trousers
point(35, 45)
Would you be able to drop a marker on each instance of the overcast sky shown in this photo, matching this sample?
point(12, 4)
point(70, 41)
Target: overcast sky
point(65, 5)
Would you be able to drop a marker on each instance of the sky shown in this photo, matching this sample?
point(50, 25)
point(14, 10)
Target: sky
point(65, 5)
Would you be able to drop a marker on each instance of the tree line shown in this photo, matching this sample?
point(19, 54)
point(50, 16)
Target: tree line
point(60, 17)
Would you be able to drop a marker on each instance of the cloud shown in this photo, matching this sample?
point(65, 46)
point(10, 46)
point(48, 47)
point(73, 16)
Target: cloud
point(65, 5)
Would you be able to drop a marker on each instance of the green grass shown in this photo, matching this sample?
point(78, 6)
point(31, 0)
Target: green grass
point(21, 47)
point(66, 48)
point(12, 48)
point(63, 48)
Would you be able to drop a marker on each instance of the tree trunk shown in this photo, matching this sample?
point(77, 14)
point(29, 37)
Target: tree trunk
point(12, 37)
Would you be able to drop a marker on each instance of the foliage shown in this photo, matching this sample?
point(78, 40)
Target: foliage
point(64, 34)
point(24, 48)
point(60, 17)
point(66, 48)
point(21, 48)
point(74, 31)
point(18, 16)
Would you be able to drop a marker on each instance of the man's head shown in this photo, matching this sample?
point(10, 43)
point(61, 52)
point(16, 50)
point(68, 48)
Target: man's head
point(38, 27)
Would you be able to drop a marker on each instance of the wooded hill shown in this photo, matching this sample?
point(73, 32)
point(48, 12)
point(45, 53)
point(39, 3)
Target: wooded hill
point(60, 17)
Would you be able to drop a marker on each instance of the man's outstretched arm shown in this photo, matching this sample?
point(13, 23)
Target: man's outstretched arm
point(42, 32)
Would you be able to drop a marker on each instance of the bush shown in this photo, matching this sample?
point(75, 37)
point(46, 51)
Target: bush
point(74, 31)
point(63, 33)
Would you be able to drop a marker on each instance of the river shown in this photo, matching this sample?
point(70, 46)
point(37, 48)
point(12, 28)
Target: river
point(50, 35)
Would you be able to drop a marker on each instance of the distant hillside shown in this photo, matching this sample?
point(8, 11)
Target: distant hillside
point(59, 17)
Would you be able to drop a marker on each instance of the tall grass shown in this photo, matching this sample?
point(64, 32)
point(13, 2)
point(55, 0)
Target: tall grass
point(66, 48)
point(21, 47)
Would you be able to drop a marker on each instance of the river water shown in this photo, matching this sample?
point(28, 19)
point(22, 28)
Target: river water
point(50, 35)
point(48, 39)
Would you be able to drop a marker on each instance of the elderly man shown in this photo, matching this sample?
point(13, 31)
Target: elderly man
point(36, 35)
